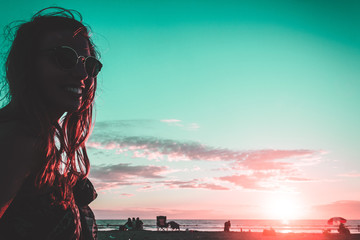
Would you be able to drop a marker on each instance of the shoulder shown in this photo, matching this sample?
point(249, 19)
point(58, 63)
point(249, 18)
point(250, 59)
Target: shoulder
point(19, 149)
point(19, 157)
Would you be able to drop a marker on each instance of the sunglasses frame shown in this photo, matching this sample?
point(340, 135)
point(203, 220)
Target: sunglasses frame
point(83, 59)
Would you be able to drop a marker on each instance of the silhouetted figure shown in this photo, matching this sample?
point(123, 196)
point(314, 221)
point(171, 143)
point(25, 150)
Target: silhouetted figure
point(343, 230)
point(51, 70)
point(227, 226)
point(138, 224)
point(269, 232)
point(129, 225)
point(133, 222)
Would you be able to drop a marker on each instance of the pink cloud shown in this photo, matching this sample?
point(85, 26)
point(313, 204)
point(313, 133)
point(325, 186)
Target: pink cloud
point(348, 209)
point(245, 181)
point(121, 171)
point(112, 176)
point(260, 169)
point(147, 187)
point(350, 175)
point(158, 149)
point(270, 159)
point(148, 155)
point(108, 146)
point(104, 186)
point(298, 179)
point(212, 186)
point(126, 194)
point(269, 155)
point(260, 180)
point(195, 183)
point(266, 167)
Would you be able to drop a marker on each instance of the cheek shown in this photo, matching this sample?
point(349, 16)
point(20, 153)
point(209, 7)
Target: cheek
point(46, 72)
point(40, 75)
point(47, 79)
point(40, 69)
point(47, 66)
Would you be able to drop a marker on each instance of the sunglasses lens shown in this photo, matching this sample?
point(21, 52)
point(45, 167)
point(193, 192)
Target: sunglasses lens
point(93, 66)
point(66, 57)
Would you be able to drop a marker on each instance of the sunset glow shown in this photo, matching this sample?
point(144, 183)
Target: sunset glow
point(283, 208)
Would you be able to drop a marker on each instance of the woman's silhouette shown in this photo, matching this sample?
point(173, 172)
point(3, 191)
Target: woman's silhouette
point(51, 71)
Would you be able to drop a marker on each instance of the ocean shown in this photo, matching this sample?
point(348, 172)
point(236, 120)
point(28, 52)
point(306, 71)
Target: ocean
point(237, 225)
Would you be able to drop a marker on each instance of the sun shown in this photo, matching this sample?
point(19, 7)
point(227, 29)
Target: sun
point(283, 208)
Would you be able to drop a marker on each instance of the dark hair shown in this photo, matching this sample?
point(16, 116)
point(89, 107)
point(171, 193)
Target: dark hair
point(68, 161)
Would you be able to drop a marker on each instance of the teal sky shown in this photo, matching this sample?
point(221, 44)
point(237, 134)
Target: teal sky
point(240, 101)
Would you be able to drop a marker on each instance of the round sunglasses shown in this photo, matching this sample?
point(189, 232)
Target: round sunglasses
point(68, 58)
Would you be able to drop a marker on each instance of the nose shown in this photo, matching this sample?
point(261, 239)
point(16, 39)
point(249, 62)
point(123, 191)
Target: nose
point(80, 70)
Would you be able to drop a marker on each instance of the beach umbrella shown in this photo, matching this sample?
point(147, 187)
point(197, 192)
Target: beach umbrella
point(336, 220)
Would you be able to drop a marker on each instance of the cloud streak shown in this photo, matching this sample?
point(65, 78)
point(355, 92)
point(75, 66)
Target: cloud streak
point(170, 120)
point(106, 177)
point(259, 180)
point(263, 169)
point(345, 208)
point(123, 174)
point(195, 183)
point(157, 148)
point(124, 170)
point(179, 123)
point(350, 175)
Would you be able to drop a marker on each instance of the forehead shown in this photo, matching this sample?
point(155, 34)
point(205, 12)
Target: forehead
point(66, 38)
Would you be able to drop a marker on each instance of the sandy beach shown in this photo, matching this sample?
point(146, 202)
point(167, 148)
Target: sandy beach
point(182, 235)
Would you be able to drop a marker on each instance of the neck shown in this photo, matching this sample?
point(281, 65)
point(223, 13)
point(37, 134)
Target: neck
point(28, 111)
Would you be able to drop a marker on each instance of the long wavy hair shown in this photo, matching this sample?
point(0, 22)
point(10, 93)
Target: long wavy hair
point(63, 141)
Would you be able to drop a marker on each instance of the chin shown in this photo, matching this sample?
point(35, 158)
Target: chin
point(72, 109)
point(57, 104)
point(68, 108)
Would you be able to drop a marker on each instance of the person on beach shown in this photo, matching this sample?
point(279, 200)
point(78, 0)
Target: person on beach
point(227, 226)
point(129, 225)
point(138, 224)
point(51, 74)
point(133, 223)
point(343, 230)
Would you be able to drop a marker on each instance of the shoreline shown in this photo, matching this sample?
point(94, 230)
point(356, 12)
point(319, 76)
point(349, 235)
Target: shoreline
point(202, 235)
point(238, 225)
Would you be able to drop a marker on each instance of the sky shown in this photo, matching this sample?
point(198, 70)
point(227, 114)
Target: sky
point(223, 109)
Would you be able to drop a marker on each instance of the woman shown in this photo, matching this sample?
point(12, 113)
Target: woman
point(51, 72)
point(129, 224)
